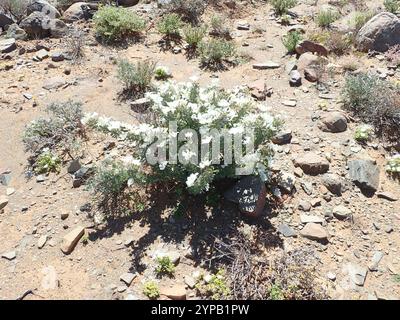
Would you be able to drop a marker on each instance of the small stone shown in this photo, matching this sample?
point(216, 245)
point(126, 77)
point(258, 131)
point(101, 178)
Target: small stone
point(341, 212)
point(74, 166)
point(333, 122)
point(283, 137)
point(304, 205)
point(40, 178)
point(365, 174)
point(54, 83)
point(289, 103)
point(314, 231)
point(331, 276)
point(377, 257)
point(266, 65)
point(176, 292)
point(190, 282)
point(9, 192)
point(312, 163)
point(286, 231)
point(64, 215)
point(357, 274)
point(7, 45)
point(310, 219)
point(71, 239)
point(50, 279)
point(128, 278)
point(42, 241)
point(387, 196)
point(333, 183)
point(57, 57)
point(42, 54)
point(295, 78)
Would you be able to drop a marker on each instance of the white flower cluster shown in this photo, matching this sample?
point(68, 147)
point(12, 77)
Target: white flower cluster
point(203, 111)
point(393, 164)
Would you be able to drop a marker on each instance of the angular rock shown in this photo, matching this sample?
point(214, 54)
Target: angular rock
point(57, 57)
point(312, 163)
point(304, 218)
point(286, 231)
point(249, 192)
point(71, 239)
point(36, 25)
point(74, 166)
point(379, 33)
point(42, 54)
point(310, 65)
point(376, 258)
point(3, 202)
point(190, 282)
point(176, 292)
point(314, 231)
point(7, 45)
point(128, 278)
point(341, 212)
point(286, 181)
point(357, 274)
point(333, 183)
point(58, 28)
point(333, 122)
point(42, 241)
point(5, 21)
point(282, 137)
point(365, 174)
point(79, 11)
point(304, 205)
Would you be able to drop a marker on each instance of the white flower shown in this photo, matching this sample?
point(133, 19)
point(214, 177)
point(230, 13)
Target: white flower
point(191, 179)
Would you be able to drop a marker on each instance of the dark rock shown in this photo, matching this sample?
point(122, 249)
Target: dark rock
point(365, 174)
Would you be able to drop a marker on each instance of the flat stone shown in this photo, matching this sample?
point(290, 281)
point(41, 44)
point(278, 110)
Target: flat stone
point(283, 137)
point(357, 274)
point(286, 231)
point(312, 163)
point(7, 45)
point(304, 218)
point(365, 174)
point(50, 278)
point(190, 282)
point(42, 54)
point(71, 239)
point(376, 258)
point(266, 65)
point(176, 292)
point(387, 196)
point(54, 83)
point(11, 255)
point(128, 278)
point(314, 231)
point(42, 241)
point(289, 103)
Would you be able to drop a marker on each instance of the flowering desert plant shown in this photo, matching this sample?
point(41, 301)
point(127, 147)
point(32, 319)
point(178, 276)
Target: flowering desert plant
point(393, 164)
point(196, 137)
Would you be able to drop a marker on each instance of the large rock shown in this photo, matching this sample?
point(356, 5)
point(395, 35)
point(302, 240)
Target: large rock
point(312, 163)
point(36, 25)
point(314, 231)
point(79, 11)
point(5, 20)
point(7, 45)
point(71, 239)
point(43, 7)
point(365, 174)
point(128, 3)
point(333, 122)
point(249, 193)
point(379, 33)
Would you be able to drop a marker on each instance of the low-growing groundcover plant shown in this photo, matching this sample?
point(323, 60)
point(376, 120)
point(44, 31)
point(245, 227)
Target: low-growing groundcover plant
point(48, 139)
point(165, 266)
point(375, 102)
point(188, 143)
point(170, 26)
point(150, 289)
point(393, 165)
point(113, 24)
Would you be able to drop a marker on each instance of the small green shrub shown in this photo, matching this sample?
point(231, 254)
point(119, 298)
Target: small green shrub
point(47, 162)
point(275, 292)
point(15, 8)
point(190, 10)
point(375, 102)
point(61, 131)
point(162, 73)
point(392, 6)
point(150, 290)
point(281, 7)
point(136, 78)
point(215, 52)
point(170, 26)
point(219, 27)
point(325, 18)
point(291, 40)
point(338, 43)
point(165, 266)
point(360, 19)
point(194, 35)
point(117, 23)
